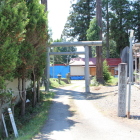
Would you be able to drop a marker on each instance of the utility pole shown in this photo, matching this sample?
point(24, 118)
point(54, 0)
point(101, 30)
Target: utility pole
point(99, 60)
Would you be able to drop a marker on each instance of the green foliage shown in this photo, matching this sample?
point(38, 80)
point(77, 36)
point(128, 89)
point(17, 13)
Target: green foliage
point(93, 33)
point(121, 17)
point(79, 19)
point(31, 124)
point(106, 73)
point(94, 82)
point(112, 49)
point(33, 48)
point(112, 81)
point(5, 96)
point(54, 83)
point(13, 17)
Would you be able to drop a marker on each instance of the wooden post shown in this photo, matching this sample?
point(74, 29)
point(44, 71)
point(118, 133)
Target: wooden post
point(122, 89)
point(99, 60)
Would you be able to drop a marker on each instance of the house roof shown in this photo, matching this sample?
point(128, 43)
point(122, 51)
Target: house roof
point(92, 61)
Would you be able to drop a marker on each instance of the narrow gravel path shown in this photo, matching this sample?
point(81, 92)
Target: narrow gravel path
point(72, 117)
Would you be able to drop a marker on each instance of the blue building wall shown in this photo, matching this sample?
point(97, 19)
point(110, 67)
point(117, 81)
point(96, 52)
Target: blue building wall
point(62, 70)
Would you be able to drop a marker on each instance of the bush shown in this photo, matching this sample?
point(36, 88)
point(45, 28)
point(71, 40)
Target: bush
point(106, 73)
point(94, 82)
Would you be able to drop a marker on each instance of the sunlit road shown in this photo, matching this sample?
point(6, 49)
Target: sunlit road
point(72, 117)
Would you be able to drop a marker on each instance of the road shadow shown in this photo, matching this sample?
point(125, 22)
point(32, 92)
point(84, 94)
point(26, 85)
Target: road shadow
point(135, 117)
point(58, 120)
point(80, 95)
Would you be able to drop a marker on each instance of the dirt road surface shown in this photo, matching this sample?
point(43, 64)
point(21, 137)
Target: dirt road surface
point(73, 116)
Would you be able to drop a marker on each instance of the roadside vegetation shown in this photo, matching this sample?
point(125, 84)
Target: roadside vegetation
point(109, 80)
point(24, 35)
point(31, 123)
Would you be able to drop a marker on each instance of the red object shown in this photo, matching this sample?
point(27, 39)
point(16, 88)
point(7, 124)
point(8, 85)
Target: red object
point(92, 61)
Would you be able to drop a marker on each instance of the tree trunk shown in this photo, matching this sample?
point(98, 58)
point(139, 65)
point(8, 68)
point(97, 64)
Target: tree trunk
point(38, 90)
point(89, 15)
point(90, 52)
point(34, 91)
point(107, 37)
point(99, 60)
point(23, 101)
point(45, 3)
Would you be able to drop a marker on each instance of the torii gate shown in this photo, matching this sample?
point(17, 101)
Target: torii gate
point(86, 45)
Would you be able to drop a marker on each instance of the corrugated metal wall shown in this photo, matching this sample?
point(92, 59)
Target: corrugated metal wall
point(62, 70)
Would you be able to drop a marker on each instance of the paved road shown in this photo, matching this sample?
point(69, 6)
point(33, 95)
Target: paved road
point(72, 117)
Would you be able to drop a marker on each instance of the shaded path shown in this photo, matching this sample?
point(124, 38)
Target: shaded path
point(72, 117)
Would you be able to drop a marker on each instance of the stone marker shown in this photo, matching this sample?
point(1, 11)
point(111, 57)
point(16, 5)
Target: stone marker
point(122, 89)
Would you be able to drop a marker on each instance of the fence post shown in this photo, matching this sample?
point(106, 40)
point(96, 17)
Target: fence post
point(122, 89)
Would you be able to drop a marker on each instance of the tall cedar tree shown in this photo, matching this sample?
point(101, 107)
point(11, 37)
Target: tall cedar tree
point(13, 19)
point(33, 49)
point(79, 19)
point(99, 59)
point(105, 28)
point(121, 21)
point(109, 45)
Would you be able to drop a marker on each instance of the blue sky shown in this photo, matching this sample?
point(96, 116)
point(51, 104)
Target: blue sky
point(58, 13)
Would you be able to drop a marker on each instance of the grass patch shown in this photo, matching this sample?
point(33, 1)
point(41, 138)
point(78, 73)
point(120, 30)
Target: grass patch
point(54, 83)
point(113, 81)
point(34, 119)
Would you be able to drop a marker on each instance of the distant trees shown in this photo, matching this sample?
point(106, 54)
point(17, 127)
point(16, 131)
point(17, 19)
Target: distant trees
point(118, 17)
point(63, 59)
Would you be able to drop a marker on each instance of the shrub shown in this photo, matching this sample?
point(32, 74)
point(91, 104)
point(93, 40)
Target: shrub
point(94, 82)
point(106, 73)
